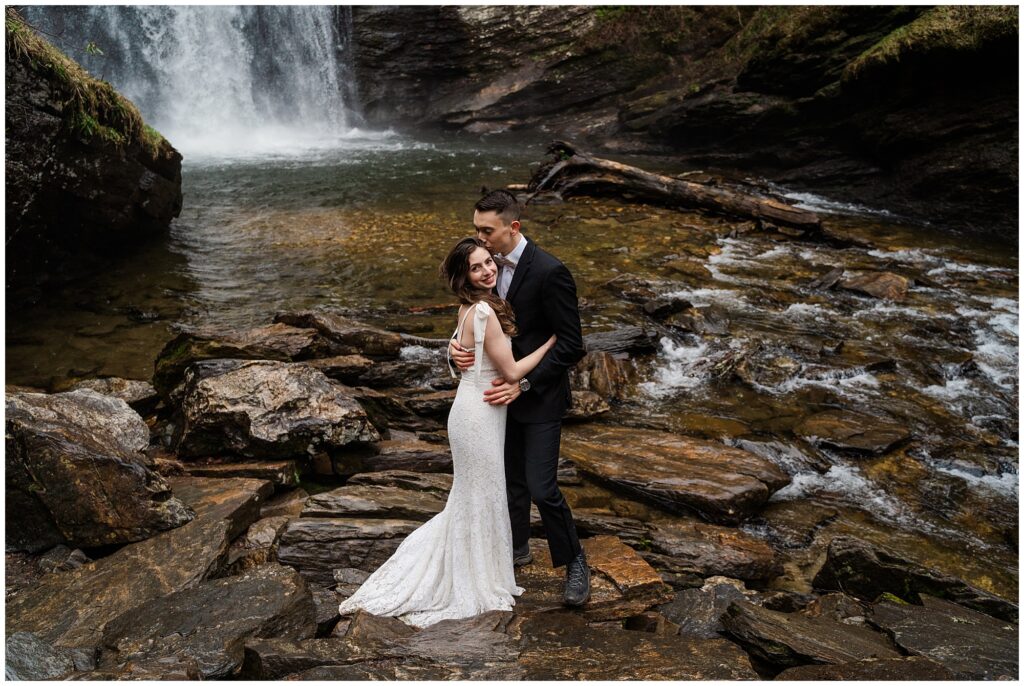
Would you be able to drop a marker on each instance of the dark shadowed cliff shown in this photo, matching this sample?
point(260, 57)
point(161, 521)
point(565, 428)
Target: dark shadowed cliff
point(911, 109)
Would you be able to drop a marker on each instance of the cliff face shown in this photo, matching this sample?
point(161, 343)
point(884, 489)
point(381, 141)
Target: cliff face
point(911, 109)
point(84, 173)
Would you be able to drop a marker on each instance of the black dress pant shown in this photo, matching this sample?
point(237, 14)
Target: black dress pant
point(531, 470)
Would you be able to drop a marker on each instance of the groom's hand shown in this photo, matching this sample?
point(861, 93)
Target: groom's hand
point(462, 358)
point(501, 393)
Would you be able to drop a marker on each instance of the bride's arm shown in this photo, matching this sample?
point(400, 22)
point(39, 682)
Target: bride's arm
point(500, 352)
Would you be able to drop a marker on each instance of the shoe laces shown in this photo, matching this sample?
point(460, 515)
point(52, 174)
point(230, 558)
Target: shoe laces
point(577, 571)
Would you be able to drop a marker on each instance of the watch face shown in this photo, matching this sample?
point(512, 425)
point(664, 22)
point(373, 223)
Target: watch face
point(524, 385)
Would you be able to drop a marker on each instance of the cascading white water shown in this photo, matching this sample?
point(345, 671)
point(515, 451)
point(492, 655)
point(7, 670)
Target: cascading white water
point(217, 79)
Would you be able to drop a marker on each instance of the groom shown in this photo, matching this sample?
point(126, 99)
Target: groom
point(543, 296)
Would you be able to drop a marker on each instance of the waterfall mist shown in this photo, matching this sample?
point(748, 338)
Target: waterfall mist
point(220, 80)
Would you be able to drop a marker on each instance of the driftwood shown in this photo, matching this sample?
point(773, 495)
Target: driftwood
point(572, 173)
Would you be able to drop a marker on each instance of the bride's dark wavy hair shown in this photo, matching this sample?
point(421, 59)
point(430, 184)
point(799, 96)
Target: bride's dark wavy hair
point(455, 273)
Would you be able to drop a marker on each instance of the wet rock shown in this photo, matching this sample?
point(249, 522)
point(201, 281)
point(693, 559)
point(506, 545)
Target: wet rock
point(630, 288)
point(971, 644)
point(884, 285)
point(209, 623)
point(407, 455)
point(273, 658)
point(375, 501)
point(828, 280)
point(689, 268)
point(274, 342)
point(257, 546)
point(867, 571)
point(709, 550)
point(71, 608)
point(651, 622)
point(661, 308)
point(889, 669)
point(434, 404)
point(701, 320)
point(140, 395)
point(625, 339)
point(159, 669)
point(788, 640)
point(697, 612)
point(349, 580)
point(281, 473)
point(586, 405)
point(317, 546)
point(76, 473)
point(622, 583)
point(61, 559)
point(676, 473)
point(27, 658)
point(348, 369)
point(348, 337)
point(560, 646)
point(289, 504)
point(603, 373)
point(838, 607)
point(438, 484)
point(390, 409)
point(325, 609)
point(266, 409)
point(852, 431)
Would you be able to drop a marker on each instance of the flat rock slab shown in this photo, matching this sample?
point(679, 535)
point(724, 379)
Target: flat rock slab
point(71, 608)
point(709, 550)
point(791, 639)
point(27, 658)
point(409, 455)
point(347, 336)
point(562, 647)
point(76, 473)
point(410, 480)
point(884, 285)
point(867, 571)
point(677, 473)
point(317, 546)
point(264, 409)
point(889, 669)
point(210, 622)
point(281, 473)
point(622, 583)
point(852, 431)
point(389, 502)
point(971, 644)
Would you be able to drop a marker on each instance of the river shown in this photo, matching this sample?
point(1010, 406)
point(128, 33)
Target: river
point(361, 223)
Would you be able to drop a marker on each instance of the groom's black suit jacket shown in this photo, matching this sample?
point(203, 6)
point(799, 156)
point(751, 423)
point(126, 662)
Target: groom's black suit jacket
point(543, 297)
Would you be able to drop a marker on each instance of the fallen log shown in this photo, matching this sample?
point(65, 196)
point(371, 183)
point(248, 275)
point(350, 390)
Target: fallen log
point(573, 173)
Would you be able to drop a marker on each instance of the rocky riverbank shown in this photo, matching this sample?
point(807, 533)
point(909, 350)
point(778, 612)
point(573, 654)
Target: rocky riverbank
point(84, 174)
point(208, 525)
point(910, 109)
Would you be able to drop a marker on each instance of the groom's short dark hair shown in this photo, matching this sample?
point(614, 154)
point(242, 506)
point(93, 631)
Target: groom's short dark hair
point(502, 202)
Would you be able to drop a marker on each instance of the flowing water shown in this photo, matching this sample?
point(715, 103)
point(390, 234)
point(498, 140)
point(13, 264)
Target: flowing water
point(360, 220)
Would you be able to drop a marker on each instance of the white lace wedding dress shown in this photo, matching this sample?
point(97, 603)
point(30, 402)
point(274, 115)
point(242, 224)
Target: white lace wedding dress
point(458, 564)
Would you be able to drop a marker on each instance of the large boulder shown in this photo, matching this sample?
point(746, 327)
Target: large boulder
point(76, 473)
point(972, 645)
point(852, 431)
point(698, 611)
point(210, 623)
point(71, 608)
point(140, 395)
point(709, 550)
point(868, 571)
point(266, 409)
point(675, 472)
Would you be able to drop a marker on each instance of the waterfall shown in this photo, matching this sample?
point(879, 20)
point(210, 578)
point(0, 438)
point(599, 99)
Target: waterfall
point(219, 78)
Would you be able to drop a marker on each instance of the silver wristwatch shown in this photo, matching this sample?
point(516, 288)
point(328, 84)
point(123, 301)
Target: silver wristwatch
point(524, 384)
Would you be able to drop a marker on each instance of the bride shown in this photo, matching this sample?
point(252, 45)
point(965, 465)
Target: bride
point(459, 564)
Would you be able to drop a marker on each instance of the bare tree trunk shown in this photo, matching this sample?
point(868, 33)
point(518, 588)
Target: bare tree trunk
point(572, 173)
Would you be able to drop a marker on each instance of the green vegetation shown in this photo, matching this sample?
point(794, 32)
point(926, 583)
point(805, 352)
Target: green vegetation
point(891, 598)
point(92, 108)
point(957, 28)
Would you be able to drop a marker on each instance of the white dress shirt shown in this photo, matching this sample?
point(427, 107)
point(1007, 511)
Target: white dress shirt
point(507, 272)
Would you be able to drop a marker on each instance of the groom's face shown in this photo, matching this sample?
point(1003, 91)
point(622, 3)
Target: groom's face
point(499, 236)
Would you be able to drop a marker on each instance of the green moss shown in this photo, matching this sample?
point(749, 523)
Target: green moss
point(91, 107)
point(957, 28)
point(891, 598)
